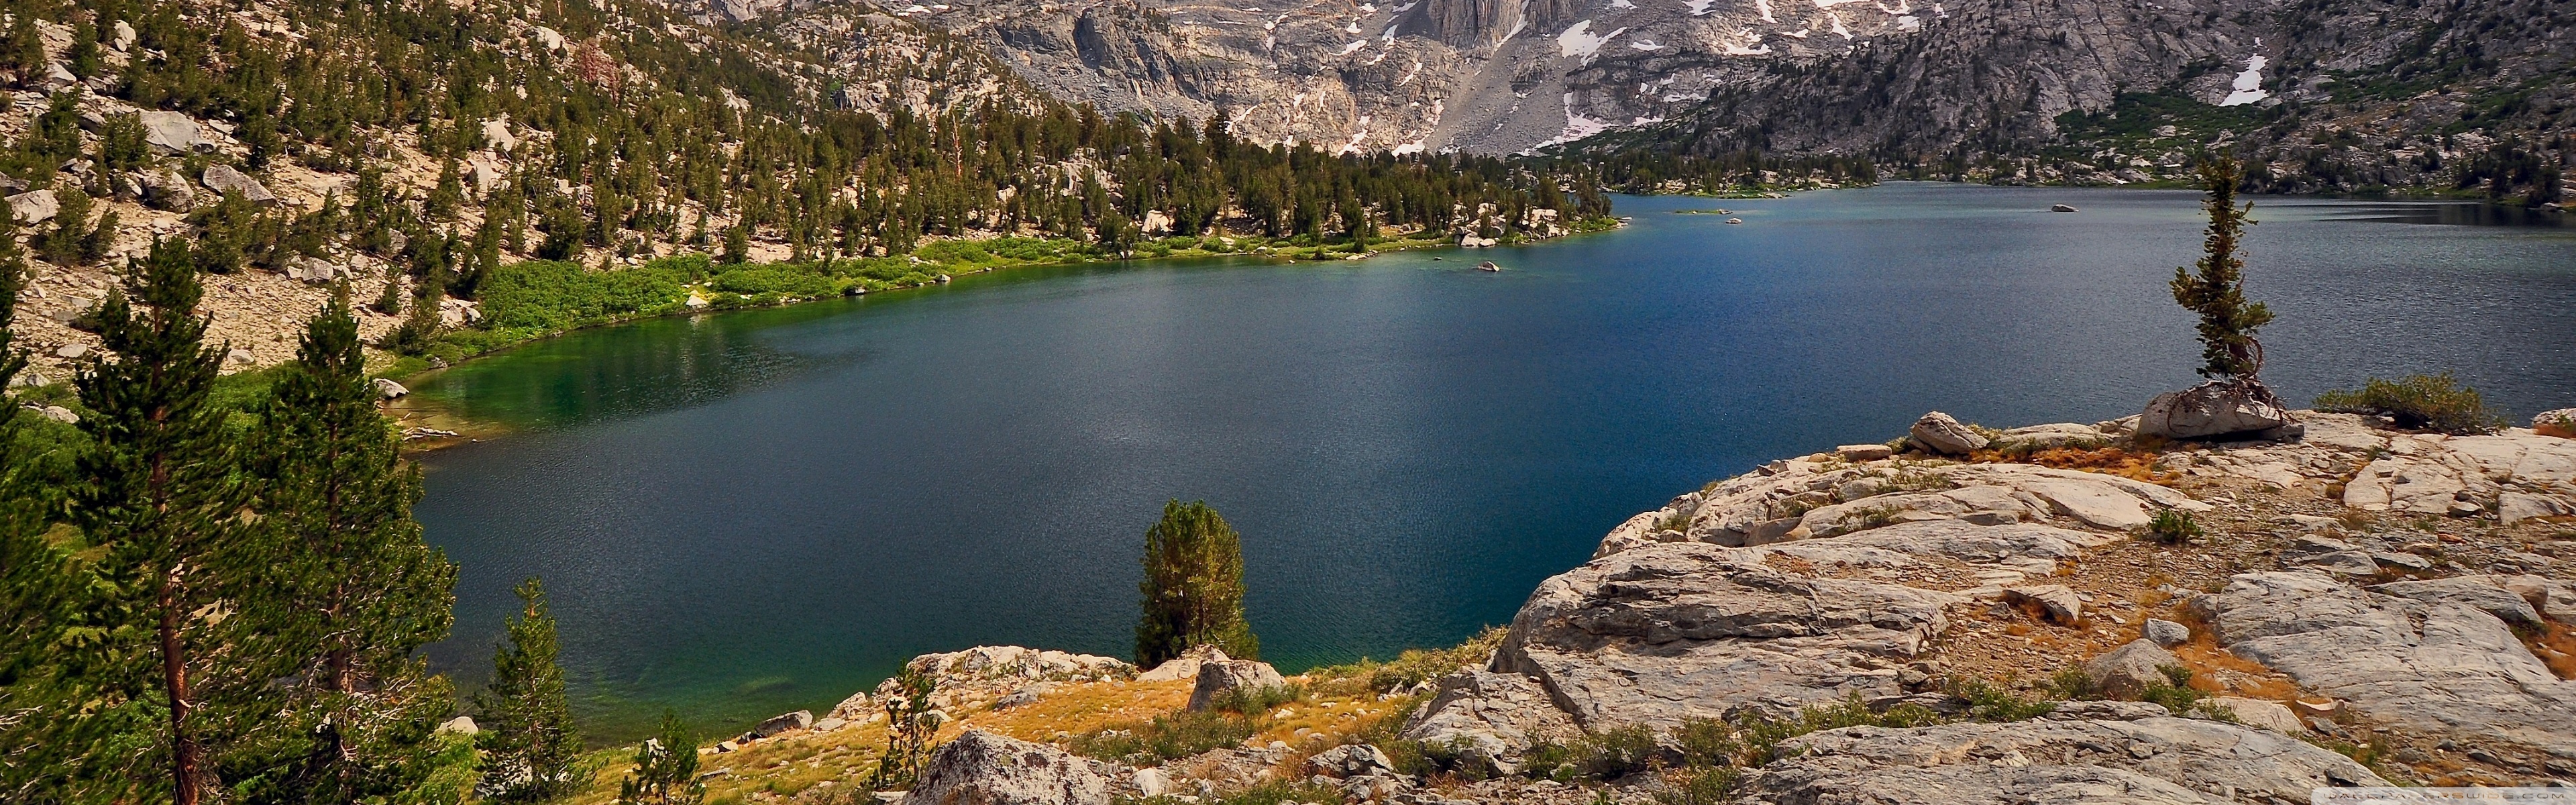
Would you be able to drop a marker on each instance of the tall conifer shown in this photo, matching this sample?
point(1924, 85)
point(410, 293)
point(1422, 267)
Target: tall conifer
point(358, 589)
point(530, 752)
point(1193, 587)
point(160, 498)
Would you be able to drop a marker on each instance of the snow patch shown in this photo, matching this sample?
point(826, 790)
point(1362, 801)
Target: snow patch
point(1622, 4)
point(2249, 84)
point(1409, 74)
point(1764, 6)
point(1576, 126)
point(1645, 44)
point(1839, 30)
point(1699, 7)
point(1579, 41)
point(1414, 147)
point(1909, 23)
point(1407, 7)
point(1387, 36)
point(1354, 47)
point(1797, 34)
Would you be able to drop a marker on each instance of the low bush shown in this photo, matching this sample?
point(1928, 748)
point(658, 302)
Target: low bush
point(1171, 737)
point(1699, 786)
point(2176, 693)
point(2420, 402)
point(1256, 701)
point(546, 296)
point(1989, 702)
point(1606, 755)
point(2174, 527)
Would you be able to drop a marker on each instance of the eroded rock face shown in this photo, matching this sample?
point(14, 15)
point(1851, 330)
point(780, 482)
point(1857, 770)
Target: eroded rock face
point(1941, 433)
point(980, 768)
point(1490, 716)
point(1668, 632)
point(2431, 657)
point(2149, 760)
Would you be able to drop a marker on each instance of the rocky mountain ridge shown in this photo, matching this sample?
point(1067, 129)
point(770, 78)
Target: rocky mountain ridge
point(2362, 606)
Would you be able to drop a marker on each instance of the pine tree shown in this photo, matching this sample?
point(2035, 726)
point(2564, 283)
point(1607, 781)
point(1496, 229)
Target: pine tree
point(2217, 292)
point(41, 592)
point(160, 499)
point(530, 752)
point(1193, 587)
point(666, 769)
point(362, 589)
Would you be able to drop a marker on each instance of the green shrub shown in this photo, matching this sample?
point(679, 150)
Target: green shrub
point(1700, 786)
point(1706, 742)
point(2176, 694)
point(1988, 702)
point(778, 279)
point(1606, 755)
point(2174, 527)
point(1255, 701)
point(2418, 402)
point(1171, 737)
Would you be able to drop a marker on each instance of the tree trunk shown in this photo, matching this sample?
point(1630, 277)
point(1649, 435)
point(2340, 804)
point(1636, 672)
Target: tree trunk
point(174, 679)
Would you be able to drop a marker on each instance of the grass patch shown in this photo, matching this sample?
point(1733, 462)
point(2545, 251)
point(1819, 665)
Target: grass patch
point(1413, 667)
point(2418, 402)
point(1169, 737)
point(2174, 527)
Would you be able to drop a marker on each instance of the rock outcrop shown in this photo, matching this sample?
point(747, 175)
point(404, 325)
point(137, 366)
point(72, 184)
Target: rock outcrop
point(980, 768)
point(2434, 657)
point(2148, 760)
point(1218, 679)
point(2216, 409)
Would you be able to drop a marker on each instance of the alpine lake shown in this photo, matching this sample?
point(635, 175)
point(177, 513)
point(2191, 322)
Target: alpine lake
point(746, 513)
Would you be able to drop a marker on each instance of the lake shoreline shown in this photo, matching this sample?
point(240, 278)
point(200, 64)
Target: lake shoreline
point(429, 426)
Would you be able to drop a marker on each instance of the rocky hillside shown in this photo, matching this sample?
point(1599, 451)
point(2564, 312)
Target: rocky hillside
point(2331, 95)
point(2324, 96)
point(2059, 613)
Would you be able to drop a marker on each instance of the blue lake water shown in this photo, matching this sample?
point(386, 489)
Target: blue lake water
point(753, 512)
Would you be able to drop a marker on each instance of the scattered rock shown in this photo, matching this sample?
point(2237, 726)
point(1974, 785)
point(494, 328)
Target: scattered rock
point(2056, 600)
point(2126, 671)
point(121, 37)
point(59, 414)
point(1941, 433)
point(858, 707)
point(830, 724)
point(2560, 423)
point(2269, 715)
point(2061, 208)
point(311, 270)
point(71, 351)
point(548, 38)
point(164, 190)
point(172, 133)
point(1185, 666)
point(2213, 409)
point(1218, 678)
point(388, 389)
point(2047, 437)
point(460, 725)
point(2347, 563)
point(1353, 760)
point(2515, 507)
point(240, 357)
point(1864, 452)
point(1024, 696)
point(496, 134)
point(783, 723)
point(1151, 782)
point(980, 768)
point(2166, 633)
point(34, 206)
point(225, 179)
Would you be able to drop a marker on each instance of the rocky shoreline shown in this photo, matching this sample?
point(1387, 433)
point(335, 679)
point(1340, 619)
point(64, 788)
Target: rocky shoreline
point(2360, 606)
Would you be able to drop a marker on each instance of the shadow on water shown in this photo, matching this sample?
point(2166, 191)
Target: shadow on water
point(2467, 213)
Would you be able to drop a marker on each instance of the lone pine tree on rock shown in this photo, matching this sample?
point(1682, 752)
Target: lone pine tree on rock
point(1193, 588)
point(2234, 401)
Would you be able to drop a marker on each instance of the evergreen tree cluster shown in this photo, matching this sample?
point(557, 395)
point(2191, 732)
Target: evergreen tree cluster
point(622, 131)
point(204, 603)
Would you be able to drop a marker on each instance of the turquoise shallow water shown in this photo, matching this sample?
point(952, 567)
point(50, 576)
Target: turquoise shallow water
point(753, 512)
